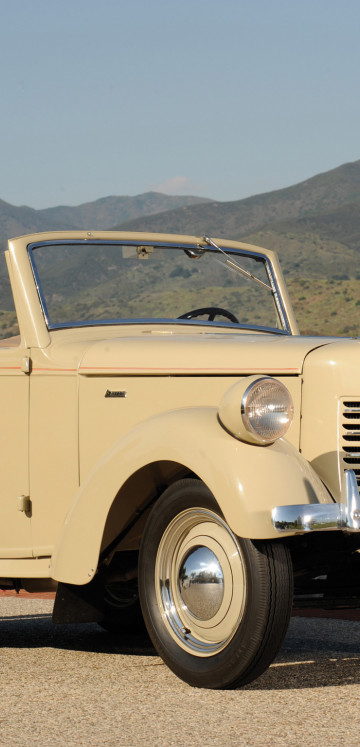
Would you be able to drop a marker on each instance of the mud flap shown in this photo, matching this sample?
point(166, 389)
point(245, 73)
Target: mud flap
point(78, 604)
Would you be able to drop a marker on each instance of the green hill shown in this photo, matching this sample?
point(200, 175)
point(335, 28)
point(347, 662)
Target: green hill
point(314, 226)
point(320, 255)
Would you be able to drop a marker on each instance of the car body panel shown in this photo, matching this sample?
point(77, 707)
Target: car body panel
point(166, 352)
point(15, 531)
point(98, 418)
point(321, 434)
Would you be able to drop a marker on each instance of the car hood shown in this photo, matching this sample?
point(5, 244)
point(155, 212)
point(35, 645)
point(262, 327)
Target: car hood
point(200, 354)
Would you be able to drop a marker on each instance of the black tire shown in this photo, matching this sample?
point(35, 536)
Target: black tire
point(222, 627)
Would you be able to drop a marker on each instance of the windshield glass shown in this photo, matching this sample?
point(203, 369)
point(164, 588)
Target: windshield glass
point(89, 282)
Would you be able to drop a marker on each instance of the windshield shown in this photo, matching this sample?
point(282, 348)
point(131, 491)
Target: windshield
point(110, 282)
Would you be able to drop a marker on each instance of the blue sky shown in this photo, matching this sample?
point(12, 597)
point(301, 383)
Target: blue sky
point(219, 98)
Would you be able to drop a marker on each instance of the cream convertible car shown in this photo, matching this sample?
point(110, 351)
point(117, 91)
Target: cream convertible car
point(172, 451)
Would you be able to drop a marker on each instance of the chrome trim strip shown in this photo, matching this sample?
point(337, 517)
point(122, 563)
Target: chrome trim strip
point(161, 244)
point(320, 517)
point(186, 322)
point(278, 298)
point(124, 242)
point(39, 290)
point(351, 491)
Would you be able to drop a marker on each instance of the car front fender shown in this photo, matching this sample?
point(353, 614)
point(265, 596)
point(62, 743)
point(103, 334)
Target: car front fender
point(247, 481)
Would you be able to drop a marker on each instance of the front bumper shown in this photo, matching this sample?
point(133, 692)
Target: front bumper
point(320, 517)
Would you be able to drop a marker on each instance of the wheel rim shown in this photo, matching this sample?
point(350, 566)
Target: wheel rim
point(200, 581)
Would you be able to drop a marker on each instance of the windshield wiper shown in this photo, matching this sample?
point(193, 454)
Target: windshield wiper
point(234, 265)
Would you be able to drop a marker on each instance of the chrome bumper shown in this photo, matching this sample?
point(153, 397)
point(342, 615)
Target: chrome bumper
point(320, 517)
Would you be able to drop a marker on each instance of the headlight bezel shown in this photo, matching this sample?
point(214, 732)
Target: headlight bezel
point(236, 415)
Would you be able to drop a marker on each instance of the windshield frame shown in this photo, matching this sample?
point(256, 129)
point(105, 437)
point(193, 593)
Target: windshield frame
point(230, 252)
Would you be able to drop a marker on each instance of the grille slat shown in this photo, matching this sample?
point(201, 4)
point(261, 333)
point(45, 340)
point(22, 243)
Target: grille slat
point(350, 436)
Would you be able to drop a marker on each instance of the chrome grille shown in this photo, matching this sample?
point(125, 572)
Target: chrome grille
point(350, 436)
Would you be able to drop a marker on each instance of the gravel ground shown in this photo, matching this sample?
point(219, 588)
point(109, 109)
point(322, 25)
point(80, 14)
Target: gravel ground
point(78, 685)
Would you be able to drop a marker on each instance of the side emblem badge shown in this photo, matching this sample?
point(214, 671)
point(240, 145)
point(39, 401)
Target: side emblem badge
point(110, 393)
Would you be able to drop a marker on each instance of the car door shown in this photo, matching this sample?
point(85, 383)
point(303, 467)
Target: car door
point(15, 508)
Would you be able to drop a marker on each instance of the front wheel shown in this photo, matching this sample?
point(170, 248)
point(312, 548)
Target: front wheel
point(216, 606)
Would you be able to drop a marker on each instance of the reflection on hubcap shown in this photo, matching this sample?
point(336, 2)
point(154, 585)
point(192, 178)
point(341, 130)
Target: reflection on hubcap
point(201, 583)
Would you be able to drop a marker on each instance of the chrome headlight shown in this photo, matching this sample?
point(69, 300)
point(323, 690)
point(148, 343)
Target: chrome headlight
point(257, 410)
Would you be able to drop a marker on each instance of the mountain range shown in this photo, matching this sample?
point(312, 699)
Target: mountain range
point(97, 215)
point(314, 226)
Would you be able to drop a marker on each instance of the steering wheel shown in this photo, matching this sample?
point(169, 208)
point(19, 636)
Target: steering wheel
point(212, 311)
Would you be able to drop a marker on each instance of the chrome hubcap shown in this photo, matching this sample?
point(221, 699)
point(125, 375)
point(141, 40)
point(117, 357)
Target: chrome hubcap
point(200, 581)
